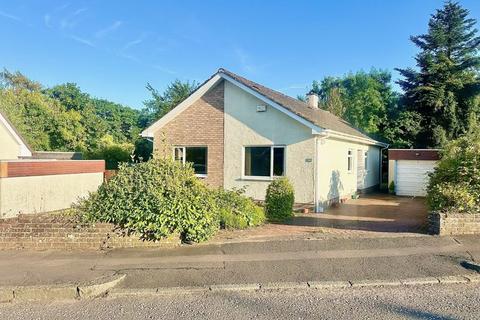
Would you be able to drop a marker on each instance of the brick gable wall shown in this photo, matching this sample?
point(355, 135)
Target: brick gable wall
point(201, 124)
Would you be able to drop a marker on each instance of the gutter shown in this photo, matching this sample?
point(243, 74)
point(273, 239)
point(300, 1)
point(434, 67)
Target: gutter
point(356, 139)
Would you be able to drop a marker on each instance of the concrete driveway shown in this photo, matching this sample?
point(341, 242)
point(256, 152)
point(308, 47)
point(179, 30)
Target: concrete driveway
point(375, 212)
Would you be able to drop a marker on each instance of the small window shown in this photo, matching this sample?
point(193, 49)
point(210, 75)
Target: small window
point(278, 161)
point(365, 158)
point(196, 155)
point(264, 161)
point(350, 161)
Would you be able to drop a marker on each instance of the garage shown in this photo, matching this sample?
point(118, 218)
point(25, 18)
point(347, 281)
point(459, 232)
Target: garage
point(409, 168)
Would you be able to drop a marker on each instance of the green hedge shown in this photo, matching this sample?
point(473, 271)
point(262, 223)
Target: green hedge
point(237, 211)
point(155, 199)
point(279, 200)
point(455, 183)
point(161, 197)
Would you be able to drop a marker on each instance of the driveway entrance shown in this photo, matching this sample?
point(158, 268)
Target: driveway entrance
point(376, 212)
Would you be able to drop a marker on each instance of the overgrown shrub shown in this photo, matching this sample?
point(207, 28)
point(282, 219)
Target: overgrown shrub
point(455, 183)
point(155, 199)
point(279, 200)
point(237, 211)
point(113, 153)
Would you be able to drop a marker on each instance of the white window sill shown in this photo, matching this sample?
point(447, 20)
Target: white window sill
point(255, 178)
point(201, 176)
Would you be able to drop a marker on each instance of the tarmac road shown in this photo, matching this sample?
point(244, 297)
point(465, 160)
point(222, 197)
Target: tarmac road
point(461, 301)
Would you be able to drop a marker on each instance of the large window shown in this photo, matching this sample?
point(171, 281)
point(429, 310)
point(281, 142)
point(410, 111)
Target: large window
point(350, 161)
point(264, 161)
point(196, 155)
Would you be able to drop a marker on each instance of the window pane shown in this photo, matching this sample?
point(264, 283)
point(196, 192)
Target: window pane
point(197, 156)
point(278, 161)
point(178, 154)
point(257, 161)
point(350, 160)
point(366, 160)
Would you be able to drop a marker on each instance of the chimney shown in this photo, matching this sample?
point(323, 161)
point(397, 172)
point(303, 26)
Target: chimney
point(312, 100)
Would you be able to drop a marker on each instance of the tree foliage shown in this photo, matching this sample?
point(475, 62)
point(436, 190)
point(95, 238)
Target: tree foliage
point(161, 103)
point(455, 183)
point(63, 118)
point(444, 88)
point(361, 98)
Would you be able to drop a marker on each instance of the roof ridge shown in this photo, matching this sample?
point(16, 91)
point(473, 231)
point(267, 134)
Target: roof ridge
point(230, 73)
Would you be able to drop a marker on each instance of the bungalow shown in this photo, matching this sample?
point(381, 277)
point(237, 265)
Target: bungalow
point(240, 134)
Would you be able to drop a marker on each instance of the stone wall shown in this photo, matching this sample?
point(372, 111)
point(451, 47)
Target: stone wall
point(61, 232)
point(454, 223)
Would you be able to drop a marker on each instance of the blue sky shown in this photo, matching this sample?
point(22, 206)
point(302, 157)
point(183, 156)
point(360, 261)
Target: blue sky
point(113, 48)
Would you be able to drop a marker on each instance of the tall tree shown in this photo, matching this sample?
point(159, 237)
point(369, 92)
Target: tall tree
point(444, 88)
point(361, 98)
point(161, 104)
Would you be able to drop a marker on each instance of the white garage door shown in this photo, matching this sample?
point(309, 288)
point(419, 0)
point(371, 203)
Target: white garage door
point(412, 177)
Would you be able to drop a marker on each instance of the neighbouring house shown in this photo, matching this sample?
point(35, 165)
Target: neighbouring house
point(12, 145)
point(240, 134)
point(408, 169)
point(34, 182)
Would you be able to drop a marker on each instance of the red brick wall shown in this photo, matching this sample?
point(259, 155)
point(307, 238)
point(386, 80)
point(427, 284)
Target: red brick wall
point(201, 124)
point(59, 232)
point(27, 168)
point(412, 154)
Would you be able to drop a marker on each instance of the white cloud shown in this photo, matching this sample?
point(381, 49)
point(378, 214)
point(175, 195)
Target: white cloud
point(111, 28)
point(82, 41)
point(165, 70)
point(129, 57)
point(133, 43)
point(9, 16)
point(72, 19)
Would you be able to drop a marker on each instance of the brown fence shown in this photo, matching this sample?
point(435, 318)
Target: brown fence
point(26, 168)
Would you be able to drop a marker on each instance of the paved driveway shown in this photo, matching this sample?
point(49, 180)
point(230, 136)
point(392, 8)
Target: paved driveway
point(376, 212)
point(376, 215)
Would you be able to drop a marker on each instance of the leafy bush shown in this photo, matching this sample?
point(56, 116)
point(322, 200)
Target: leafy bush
point(113, 153)
point(279, 200)
point(455, 183)
point(391, 188)
point(237, 211)
point(155, 199)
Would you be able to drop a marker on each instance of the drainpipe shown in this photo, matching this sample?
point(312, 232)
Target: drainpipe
point(315, 178)
point(381, 167)
point(316, 172)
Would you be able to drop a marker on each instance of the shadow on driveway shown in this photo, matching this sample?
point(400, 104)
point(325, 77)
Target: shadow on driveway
point(375, 212)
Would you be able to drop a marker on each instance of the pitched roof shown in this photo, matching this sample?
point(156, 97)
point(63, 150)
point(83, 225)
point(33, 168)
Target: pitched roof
point(319, 117)
point(26, 149)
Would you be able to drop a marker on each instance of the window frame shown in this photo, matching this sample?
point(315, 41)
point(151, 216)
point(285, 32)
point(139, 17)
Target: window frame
point(350, 161)
point(184, 159)
point(365, 160)
point(271, 176)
